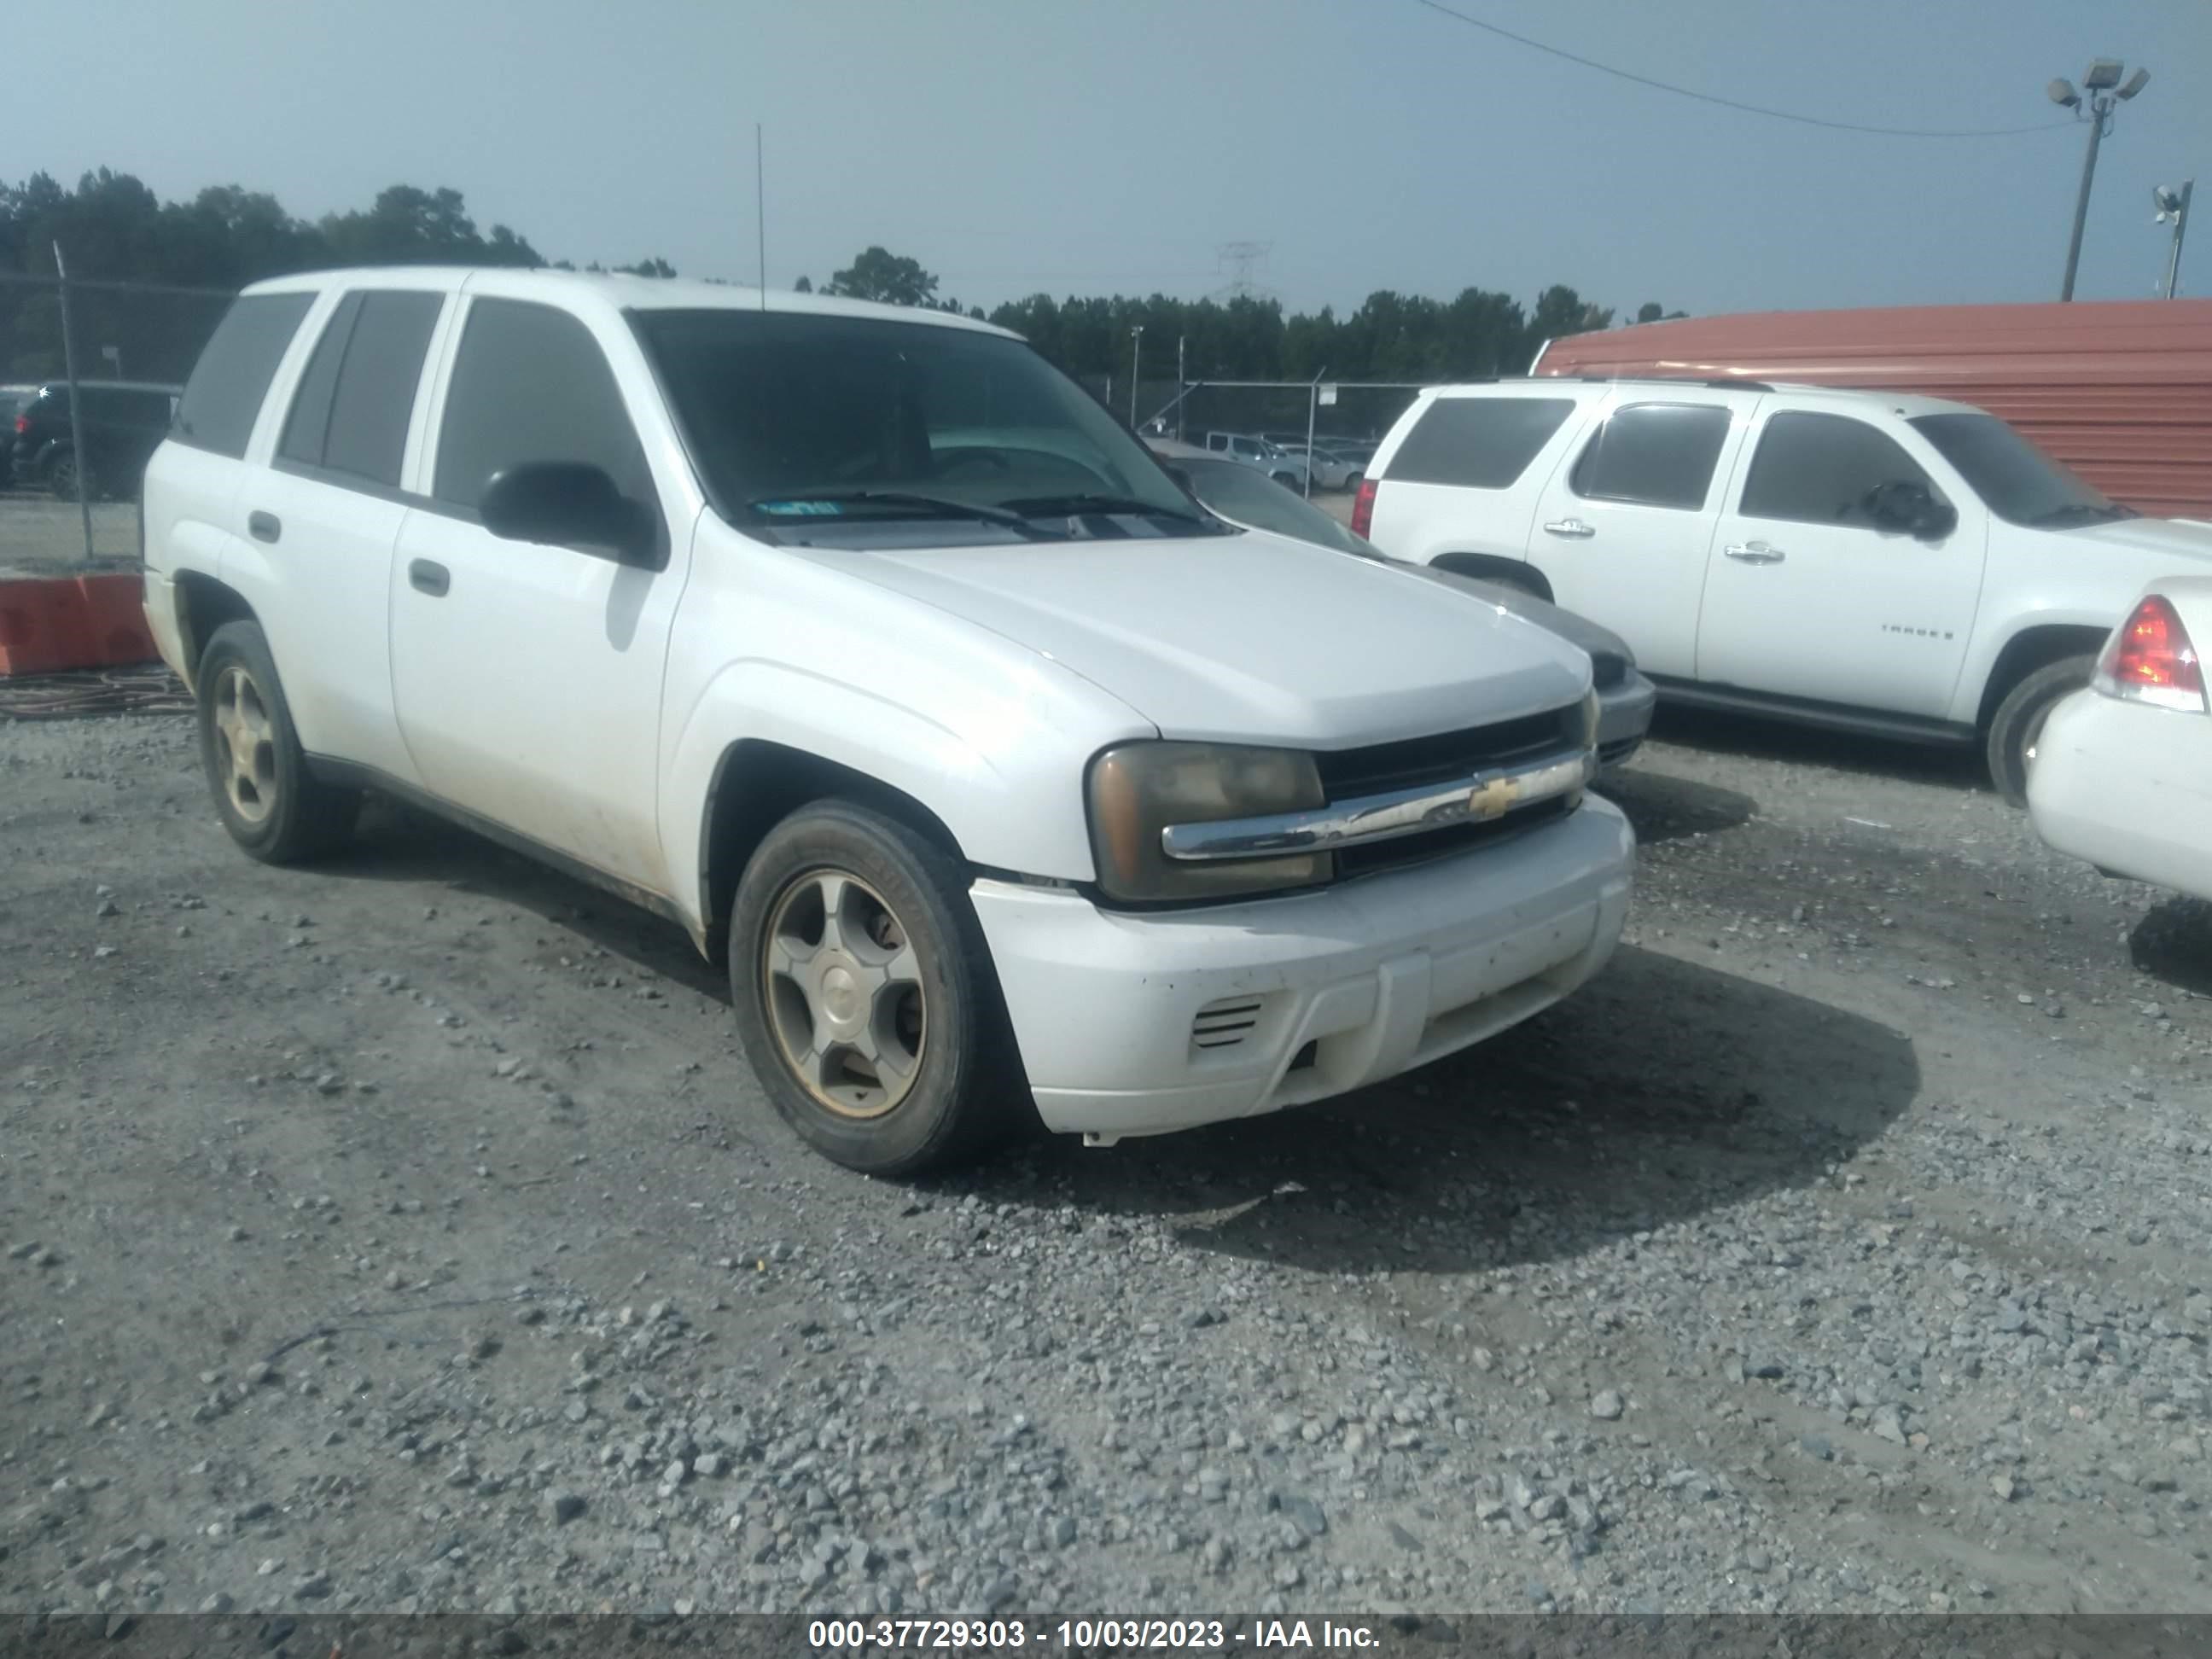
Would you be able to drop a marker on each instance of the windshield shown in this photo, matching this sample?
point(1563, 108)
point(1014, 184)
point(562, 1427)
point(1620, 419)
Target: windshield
point(1247, 497)
point(869, 432)
point(2020, 484)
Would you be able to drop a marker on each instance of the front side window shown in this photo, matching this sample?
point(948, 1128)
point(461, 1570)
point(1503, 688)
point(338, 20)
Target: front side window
point(531, 384)
point(2018, 481)
point(232, 377)
point(1822, 468)
point(1479, 443)
point(824, 426)
point(1653, 454)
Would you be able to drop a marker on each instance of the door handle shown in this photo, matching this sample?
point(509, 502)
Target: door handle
point(1574, 529)
point(263, 526)
point(1753, 553)
point(426, 577)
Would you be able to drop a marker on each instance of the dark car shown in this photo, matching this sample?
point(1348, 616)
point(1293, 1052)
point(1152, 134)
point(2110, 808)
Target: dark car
point(1232, 491)
point(124, 423)
point(12, 399)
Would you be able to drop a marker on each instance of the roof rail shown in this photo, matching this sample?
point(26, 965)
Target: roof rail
point(1719, 383)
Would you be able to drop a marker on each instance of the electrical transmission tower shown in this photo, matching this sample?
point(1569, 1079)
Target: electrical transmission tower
point(1241, 259)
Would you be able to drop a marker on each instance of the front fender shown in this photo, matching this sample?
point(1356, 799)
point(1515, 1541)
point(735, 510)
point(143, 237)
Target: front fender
point(1018, 807)
point(1990, 645)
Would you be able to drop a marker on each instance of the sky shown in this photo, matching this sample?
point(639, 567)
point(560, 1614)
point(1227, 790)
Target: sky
point(1103, 146)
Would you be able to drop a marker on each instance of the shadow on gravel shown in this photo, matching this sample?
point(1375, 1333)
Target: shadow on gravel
point(1662, 808)
point(398, 843)
point(2173, 944)
point(1754, 739)
point(1661, 1091)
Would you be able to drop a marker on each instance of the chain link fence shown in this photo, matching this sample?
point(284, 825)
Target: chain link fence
point(1351, 412)
point(89, 371)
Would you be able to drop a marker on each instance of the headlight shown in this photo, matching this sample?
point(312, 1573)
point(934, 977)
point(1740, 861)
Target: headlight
point(1140, 788)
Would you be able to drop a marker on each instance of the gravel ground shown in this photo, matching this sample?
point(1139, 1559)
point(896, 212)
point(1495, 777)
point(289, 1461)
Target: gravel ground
point(407, 1234)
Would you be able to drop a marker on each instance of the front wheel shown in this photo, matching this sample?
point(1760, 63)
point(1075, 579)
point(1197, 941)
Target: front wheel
point(864, 995)
point(2018, 724)
point(64, 478)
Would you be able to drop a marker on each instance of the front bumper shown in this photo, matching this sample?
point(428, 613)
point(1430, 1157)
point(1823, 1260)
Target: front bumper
point(1131, 1025)
point(1624, 716)
point(2124, 786)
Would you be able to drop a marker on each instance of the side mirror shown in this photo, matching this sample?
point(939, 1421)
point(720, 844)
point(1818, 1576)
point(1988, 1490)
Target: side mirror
point(569, 504)
point(1908, 507)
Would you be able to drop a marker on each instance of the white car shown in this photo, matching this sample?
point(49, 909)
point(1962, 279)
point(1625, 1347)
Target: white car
point(2123, 772)
point(1894, 565)
point(875, 653)
point(1330, 470)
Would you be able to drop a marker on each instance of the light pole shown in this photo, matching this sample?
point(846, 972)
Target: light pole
point(2104, 93)
point(1136, 362)
point(1181, 385)
point(2172, 207)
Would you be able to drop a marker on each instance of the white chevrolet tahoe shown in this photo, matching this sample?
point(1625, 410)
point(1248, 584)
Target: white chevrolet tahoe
point(869, 648)
point(1864, 561)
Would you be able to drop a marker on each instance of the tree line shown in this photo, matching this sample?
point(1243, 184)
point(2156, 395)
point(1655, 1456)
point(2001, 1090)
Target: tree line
point(114, 227)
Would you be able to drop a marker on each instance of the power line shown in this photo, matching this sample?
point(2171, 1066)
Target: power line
point(1731, 103)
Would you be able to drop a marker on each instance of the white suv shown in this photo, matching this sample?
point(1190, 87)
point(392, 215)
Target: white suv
point(1860, 560)
point(871, 650)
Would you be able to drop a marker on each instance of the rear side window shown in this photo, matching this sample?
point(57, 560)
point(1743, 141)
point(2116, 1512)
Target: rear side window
point(1657, 454)
point(1820, 468)
point(531, 384)
point(233, 374)
point(1481, 443)
point(356, 399)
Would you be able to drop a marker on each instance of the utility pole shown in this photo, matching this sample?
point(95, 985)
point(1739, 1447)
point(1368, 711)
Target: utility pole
point(2174, 206)
point(1136, 364)
point(2103, 93)
point(1182, 386)
point(77, 457)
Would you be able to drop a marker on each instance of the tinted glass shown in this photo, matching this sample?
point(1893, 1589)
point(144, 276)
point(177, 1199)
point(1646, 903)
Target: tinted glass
point(309, 422)
point(1659, 454)
point(1820, 468)
point(376, 384)
point(790, 415)
point(1485, 443)
point(1247, 496)
point(232, 377)
point(530, 384)
point(2019, 483)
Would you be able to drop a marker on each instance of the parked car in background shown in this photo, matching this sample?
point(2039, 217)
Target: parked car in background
point(1261, 454)
point(123, 422)
point(12, 400)
point(2122, 774)
point(1870, 561)
point(869, 648)
point(1626, 698)
point(1330, 470)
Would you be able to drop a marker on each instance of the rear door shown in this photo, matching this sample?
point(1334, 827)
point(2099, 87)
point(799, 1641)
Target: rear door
point(529, 677)
point(320, 519)
point(1806, 598)
point(1624, 526)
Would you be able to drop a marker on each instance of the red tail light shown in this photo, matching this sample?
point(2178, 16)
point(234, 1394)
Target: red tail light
point(23, 424)
point(1363, 508)
point(2150, 660)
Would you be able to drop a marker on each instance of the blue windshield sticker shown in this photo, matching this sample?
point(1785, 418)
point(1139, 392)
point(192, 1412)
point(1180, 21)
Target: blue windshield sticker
point(801, 509)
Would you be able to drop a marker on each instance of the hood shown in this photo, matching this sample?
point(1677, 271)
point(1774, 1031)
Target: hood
point(1246, 639)
point(2165, 537)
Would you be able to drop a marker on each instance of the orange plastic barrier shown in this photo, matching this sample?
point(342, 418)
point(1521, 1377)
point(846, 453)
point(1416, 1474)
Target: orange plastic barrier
point(49, 624)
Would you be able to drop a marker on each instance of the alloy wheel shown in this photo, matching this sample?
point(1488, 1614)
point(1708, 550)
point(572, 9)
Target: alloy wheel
point(842, 986)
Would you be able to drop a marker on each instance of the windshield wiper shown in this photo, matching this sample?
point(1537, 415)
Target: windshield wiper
point(2083, 513)
point(795, 509)
point(1073, 505)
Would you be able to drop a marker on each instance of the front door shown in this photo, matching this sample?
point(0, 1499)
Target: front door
point(1623, 529)
point(528, 678)
point(1805, 596)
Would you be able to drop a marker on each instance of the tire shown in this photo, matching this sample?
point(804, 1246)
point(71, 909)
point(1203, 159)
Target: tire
point(2019, 721)
point(898, 896)
point(1289, 480)
point(61, 477)
point(274, 808)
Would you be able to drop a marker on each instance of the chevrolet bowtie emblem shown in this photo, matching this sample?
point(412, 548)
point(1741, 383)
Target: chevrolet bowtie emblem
point(1493, 800)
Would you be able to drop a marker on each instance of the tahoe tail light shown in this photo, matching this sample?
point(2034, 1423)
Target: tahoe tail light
point(1363, 508)
point(2150, 660)
point(22, 424)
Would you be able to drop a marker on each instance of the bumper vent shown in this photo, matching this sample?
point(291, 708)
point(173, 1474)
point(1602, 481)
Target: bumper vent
point(1224, 1024)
